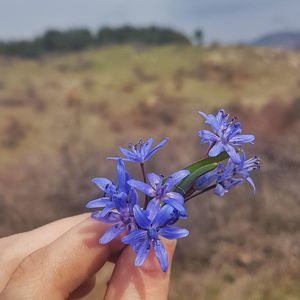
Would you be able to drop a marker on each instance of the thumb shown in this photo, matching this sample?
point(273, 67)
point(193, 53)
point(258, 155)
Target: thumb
point(148, 282)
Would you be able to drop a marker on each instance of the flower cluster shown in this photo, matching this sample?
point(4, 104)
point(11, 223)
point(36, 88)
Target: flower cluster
point(142, 226)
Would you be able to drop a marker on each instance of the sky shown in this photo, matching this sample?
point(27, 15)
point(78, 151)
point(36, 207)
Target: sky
point(227, 21)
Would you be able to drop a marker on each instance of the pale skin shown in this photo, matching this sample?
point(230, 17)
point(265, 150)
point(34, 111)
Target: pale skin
point(59, 261)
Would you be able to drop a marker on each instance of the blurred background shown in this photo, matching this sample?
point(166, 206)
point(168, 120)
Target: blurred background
point(80, 78)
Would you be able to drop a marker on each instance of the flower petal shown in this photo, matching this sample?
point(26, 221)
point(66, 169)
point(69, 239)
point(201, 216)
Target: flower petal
point(122, 176)
point(216, 149)
point(146, 147)
point(175, 178)
point(154, 180)
point(243, 139)
point(162, 216)
point(111, 218)
point(129, 155)
point(251, 182)
point(173, 233)
point(142, 186)
point(153, 208)
point(233, 154)
point(134, 236)
point(176, 205)
point(142, 253)
point(161, 255)
point(102, 183)
point(219, 190)
point(98, 203)
point(160, 145)
point(111, 233)
point(176, 196)
point(140, 217)
point(207, 136)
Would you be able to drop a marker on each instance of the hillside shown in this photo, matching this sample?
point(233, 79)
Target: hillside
point(60, 116)
point(283, 40)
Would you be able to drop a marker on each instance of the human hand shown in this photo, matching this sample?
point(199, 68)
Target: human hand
point(59, 261)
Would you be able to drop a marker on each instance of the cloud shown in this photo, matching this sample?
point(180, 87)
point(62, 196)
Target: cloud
point(224, 20)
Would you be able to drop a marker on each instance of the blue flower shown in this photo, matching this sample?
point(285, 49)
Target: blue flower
point(161, 190)
point(116, 205)
point(149, 232)
point(226, 135)
point(140, 152)
point(227, 177)
point(121, 217)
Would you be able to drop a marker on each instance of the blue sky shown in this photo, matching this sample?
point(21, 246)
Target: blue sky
point(222, 20)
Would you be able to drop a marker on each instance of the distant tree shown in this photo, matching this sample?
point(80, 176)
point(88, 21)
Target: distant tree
point(81, 38)
point(199, 37)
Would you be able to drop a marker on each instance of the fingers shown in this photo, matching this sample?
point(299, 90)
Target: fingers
point(61, 267)
point(15, 248)
point(146, 283)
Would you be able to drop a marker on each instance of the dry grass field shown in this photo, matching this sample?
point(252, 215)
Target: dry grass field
point(60, 116)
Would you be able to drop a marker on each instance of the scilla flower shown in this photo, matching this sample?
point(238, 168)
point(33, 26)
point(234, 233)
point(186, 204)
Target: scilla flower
point(141, 151)
point(226, 135)
point(149, 231)
point(161, 190)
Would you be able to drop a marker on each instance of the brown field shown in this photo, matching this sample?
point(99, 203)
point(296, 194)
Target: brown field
point(60, 116)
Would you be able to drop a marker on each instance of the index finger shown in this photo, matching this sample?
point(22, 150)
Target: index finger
point(59, 268)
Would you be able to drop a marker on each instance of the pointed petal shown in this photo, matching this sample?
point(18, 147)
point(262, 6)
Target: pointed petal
point(173, 233)
point(140, 217)
point(134, 236)
point(161, 255)
point(175, 178)
point(121, 175)
point(162, 216)
point(207, 136)
point(152, 209)
point(243, 139)
point(236, 159)
point(128, 154)
point(111, 233)
point(147, 146)
point(142, 186)
point(154, 180)
point(142, 253)
point(251, 182)
point(98, 203)
point(175, 204)
point(102, 183)
point(216, 149)
point(160, 145)
point(175, 196)
point(111, 218)
point(219, 190)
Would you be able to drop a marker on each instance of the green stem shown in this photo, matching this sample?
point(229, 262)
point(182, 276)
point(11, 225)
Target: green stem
point(199, 193)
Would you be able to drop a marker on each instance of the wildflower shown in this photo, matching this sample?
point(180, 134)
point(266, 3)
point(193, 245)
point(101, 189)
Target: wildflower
point(226, 135)
point(149, 232)
point(116, 204)
point(121, 217)
point(140, 152)
point(161, 190)
point(227, 177)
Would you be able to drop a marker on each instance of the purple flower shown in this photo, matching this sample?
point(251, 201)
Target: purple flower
point(140, 152)
point(227, 177)
point(121, 217)
point(161, 190)
point(152, 225)
point(226, 135)
point(116, 205)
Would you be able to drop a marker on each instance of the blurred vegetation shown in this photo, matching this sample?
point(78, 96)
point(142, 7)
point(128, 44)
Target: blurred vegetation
point(61, 115)
point(55, 41)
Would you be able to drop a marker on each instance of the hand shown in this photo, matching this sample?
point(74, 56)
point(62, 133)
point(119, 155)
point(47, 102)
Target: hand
point(60, 260)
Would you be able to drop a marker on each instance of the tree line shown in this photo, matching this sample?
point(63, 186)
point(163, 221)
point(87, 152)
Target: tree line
point(57, 41)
